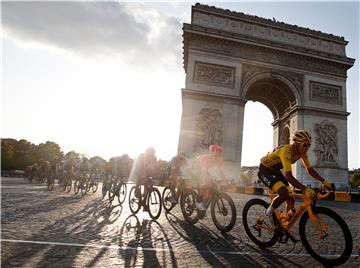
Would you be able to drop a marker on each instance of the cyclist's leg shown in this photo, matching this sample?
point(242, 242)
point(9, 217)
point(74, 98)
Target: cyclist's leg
point(138, 183)
point(146, 190)
point(174, 195)
point(276, 181)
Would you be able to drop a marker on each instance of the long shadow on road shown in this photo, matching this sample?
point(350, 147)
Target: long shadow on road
point(224, 250)
point(85, 225)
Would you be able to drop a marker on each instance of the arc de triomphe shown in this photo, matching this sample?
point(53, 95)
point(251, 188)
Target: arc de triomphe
point(299, 74)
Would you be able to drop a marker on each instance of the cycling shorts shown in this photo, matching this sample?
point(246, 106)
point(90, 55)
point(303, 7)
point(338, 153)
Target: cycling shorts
point(273, 179)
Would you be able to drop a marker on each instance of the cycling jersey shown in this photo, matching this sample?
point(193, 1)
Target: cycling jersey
point(175, 164)
point(281, 158)
point(143, 167)
point(202, 165)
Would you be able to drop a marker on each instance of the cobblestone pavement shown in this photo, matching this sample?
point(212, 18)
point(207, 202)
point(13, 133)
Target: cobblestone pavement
point(41, 228)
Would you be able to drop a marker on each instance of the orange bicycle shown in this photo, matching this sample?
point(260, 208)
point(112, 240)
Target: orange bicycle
point(324, 234)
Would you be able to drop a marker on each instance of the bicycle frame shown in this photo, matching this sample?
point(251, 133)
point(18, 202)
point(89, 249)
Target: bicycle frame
point(306, 205)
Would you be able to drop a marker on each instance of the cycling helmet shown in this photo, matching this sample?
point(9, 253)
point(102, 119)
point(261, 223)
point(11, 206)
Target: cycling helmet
point(181, 155)
point(214, 148)
point(150, 150)
point(302, 136)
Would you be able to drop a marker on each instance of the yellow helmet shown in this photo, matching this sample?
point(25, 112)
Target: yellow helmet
point(181, 155)
point(301, 136)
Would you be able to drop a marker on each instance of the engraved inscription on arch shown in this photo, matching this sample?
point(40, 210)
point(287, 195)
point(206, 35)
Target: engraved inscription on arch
point(214, 75)
point(209, 127)
point(326, 148)
point(268, 33)
point(325, 93)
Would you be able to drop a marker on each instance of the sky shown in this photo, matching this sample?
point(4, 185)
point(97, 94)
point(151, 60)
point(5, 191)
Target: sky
point(105, 78)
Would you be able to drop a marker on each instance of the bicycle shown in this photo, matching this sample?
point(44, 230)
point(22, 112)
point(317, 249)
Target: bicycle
point(152, 200)
point(50, 182)
point(221, 203)
point(81, 183)
point(93, 183)
point(317, 224)
point(168, 193)
point(118, 187)
point(106, 185)
point(67, 182)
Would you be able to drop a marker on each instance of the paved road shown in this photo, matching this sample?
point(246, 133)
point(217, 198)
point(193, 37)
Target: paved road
point(40, 228)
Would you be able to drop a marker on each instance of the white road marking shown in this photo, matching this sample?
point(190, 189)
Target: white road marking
point(158, 249)
point(22, 186)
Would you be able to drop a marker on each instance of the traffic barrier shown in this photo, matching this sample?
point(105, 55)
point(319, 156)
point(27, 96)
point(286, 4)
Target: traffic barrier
point(254, 190)
point(232, 189)
point(355, 197)
point(342, 197)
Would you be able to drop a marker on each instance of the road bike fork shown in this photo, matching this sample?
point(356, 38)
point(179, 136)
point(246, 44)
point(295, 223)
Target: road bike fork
point(319, 224)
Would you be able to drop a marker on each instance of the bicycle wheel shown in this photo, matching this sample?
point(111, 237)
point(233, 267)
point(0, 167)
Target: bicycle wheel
point(154, 203)
point(65, 182)
point(104, 189)
point(122, 192)
point(134, 202)
point(335, 245)
point(95, 186)
point(112, 190)
point(50, 183)
point(68, 185)
point(84, 186)
point(223, 212)
point(166, 199)
point(188, 206)
point(76, 186)
point(256, 224)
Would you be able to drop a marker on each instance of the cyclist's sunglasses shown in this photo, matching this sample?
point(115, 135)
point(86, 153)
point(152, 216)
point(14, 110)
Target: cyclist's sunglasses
point(306, 144)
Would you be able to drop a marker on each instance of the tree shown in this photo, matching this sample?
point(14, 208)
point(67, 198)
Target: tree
point(48, 150)
point(354, 180)
point(22, 152)
point(122, 164)
point(7, 154)
point(73, 157)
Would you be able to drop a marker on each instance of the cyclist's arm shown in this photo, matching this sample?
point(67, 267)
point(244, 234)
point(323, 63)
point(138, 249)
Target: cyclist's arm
point(221, 172)
point(285, 157)
point(173, 173)
point(312, 172)
point(293, 181)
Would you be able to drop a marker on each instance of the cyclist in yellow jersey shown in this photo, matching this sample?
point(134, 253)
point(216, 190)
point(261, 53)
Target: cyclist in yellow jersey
point(282, 158)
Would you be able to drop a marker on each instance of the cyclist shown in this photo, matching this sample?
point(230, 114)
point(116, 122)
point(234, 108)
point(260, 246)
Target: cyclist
point(144, 167)
point(201, 166)
point(174, 170)
point(283, 157)
point(55, 166)
point(97, 167)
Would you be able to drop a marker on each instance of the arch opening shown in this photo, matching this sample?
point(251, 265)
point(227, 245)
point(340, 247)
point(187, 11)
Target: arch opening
point(274, 94)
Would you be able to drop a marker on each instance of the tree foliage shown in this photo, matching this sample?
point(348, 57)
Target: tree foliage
point(354, 180)
point(18, 154)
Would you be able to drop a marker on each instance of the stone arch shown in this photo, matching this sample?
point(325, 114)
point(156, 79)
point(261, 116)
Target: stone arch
point(300, 74)
point(283, 96)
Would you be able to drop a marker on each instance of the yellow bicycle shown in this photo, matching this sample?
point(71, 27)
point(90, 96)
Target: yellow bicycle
point(324, 234)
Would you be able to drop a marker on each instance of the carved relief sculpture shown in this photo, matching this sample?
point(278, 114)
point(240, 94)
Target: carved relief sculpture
point(326, 149)
point(325, 93)
point(209, 127)
point(215, 75)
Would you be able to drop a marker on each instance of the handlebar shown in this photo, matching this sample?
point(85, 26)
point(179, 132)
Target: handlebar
point(321, 193)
